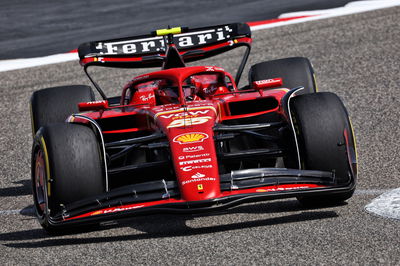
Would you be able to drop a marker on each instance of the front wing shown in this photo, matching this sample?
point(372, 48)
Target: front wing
point(238, 187)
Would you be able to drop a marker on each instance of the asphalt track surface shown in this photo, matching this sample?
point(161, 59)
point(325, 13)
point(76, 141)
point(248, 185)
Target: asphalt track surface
point(355, 56)
point(38, 28)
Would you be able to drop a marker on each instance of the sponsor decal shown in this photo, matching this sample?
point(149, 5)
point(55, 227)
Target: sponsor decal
point(191, 137)
point(280, 189)
point(189, 121)
point(198, 180)
point(190, 156)
point(95, 105)
point(205, 160)
point(200, 187)
point(198, 175)
point(182, 116)
point(193, 149)
point(267, 83)
point(193, 111)
point(156, 44)
point(194, 167)
point(201, 104)
point(213, 68)
point(96, 102)
point(117, 209)
point(148, 97)
point(185, 114)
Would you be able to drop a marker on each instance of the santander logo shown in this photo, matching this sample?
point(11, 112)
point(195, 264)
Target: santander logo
point(198, 175)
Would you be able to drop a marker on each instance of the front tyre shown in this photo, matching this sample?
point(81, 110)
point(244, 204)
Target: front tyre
point(54, 105)
point(326, 142)
point(294, 71)
point(66, 167)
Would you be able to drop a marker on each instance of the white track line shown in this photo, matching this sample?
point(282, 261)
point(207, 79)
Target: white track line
point(8, 212)
point(13, 64)
point(25, 211)
point(386, 205)
point(370, 191)
point(350, 8)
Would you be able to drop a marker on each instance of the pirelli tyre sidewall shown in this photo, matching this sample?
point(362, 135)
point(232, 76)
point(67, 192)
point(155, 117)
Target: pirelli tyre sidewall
point(66, 167)
point(40, 178)
point(294, 71)
point(326, 141)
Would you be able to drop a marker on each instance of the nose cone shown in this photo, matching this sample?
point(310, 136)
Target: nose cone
point(191, 138)
point(196, 164)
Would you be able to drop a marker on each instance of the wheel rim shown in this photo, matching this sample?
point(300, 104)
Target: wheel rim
point(40, 183)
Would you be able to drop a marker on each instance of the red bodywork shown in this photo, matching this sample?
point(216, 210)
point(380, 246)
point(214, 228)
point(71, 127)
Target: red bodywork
point(188, 126)
point(187, 139)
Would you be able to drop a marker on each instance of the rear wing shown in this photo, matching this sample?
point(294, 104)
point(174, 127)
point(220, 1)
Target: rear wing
point(150, 50)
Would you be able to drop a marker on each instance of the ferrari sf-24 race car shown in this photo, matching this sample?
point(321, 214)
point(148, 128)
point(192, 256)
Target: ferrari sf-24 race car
point(186, 139)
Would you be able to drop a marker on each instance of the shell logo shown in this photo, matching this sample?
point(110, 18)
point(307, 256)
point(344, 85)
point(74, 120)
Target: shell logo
point(191, 137)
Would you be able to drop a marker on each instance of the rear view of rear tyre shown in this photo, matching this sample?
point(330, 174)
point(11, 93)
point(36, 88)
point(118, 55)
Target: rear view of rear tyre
point(66, 167)
point(54, 105)
point(295, 72)
point(326, 142)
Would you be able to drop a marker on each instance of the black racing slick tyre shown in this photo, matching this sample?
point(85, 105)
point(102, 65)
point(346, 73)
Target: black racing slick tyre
point(326, 142)
point(66, 167)
point(294, 71)
point(54, 105)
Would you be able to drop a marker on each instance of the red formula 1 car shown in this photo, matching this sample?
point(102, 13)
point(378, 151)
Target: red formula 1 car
point(186, 139)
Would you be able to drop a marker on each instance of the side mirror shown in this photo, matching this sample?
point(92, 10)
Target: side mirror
point(267, 83)
point(93, 106)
